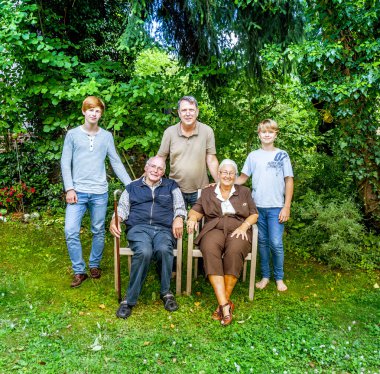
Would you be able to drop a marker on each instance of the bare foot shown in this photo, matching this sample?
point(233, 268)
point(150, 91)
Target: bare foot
point(281, 286)
point(262, 284)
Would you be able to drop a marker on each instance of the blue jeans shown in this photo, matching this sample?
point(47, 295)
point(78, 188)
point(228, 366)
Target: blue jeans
point(149, 242)
point(97, 206)
point(190, 198)
point(270, 242)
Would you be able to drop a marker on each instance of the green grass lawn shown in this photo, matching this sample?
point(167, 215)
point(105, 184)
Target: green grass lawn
point(328, 321)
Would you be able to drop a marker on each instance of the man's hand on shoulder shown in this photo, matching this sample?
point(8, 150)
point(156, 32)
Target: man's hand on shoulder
point(177, 227)
point(71, 197)
point(209, 185)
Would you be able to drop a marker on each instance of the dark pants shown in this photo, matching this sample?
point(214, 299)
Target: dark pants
point(149, 242)
point(190, 198)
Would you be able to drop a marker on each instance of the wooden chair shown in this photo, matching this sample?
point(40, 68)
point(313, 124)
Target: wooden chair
point(193, 253)
point(125, 251)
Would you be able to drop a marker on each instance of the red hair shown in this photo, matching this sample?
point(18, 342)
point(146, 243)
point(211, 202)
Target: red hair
point(92, 102)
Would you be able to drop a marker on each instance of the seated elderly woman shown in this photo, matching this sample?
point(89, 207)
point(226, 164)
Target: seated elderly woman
point(225, 239)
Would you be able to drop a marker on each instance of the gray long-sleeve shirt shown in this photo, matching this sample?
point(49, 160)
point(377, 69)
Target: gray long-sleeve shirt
point(83, 161)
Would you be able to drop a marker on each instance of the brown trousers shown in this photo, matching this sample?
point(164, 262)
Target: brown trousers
point(223, 255)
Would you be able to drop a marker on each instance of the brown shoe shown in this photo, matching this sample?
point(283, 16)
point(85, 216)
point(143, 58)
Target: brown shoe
point(78, 280)
point(95, 273)
point(226, 314)
point(217, 316)
point(232, 305)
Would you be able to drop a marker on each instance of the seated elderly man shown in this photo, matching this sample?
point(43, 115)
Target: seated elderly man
point(153, 210)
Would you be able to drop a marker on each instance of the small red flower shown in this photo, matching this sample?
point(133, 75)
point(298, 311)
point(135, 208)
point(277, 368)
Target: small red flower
point(8, 200)
point(32, 190)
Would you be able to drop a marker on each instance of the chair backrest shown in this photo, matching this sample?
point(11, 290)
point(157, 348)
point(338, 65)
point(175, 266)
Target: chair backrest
point(201, 223)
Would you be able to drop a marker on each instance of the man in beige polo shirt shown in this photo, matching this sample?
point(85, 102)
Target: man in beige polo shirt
point(190, 145)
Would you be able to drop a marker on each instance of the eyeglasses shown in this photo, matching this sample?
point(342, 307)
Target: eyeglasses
point(227, 173)
point(184, 111)
point(158, 168)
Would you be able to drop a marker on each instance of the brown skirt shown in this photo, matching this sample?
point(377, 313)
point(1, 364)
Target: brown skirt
point(223, 255)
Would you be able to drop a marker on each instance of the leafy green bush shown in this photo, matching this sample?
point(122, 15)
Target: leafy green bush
point(36, 170)
point(330, 230)
point(370, 252)
point(52, 199)
point(323, 174)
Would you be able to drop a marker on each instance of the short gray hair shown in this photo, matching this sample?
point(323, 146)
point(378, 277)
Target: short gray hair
point(227, 161)
point(190, 99)
point(149, 160)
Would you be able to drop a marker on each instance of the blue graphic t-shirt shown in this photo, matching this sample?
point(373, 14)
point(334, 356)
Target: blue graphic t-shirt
point(268, 170)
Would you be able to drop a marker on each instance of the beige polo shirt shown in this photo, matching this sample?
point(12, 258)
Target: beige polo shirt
point(188, 155)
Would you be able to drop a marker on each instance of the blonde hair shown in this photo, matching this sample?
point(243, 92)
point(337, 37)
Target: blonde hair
point(267, 124)
point(92, 102)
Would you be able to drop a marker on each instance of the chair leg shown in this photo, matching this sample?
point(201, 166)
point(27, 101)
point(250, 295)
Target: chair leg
point(252, 275)
point(245, 271)
point(179, 267)
point(189, 263)
point(251, 293)
point(196, 268)
point(129, 264)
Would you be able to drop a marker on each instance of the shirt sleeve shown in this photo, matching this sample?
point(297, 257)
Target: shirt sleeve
point(116, 163)
point(251, 204)
point(247, 168)
point(178, 204)
point(123, 206)
point(288, 170)
point(66, 159)
point(198, 206)
point(210, 145)
point(165, 145)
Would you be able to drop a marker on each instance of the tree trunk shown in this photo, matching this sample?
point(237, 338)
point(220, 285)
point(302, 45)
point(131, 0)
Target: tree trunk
point(371, 202)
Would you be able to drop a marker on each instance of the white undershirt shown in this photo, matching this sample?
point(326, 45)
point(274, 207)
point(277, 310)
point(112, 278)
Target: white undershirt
point(91, 137)
point(227, 207)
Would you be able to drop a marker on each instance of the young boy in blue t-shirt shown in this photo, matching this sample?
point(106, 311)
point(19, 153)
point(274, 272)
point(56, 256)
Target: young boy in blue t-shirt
point(272, 191)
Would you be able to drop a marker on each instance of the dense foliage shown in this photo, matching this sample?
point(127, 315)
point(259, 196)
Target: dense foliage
point(337, 66)
point(312, 66)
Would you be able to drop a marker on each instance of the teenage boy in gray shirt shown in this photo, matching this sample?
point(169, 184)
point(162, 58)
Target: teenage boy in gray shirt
point(84, 177)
